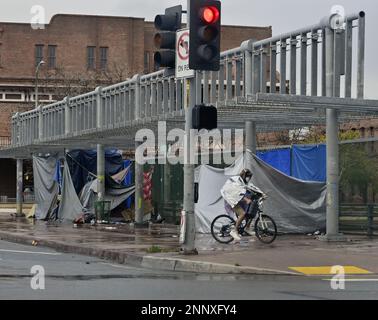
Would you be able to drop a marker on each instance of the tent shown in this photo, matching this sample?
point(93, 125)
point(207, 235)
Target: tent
point(296, 206)
point(72, 206)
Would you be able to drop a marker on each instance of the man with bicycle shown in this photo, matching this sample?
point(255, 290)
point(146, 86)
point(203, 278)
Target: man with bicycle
point(236, 194)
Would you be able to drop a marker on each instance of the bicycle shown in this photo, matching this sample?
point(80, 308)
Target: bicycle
point(265, 227)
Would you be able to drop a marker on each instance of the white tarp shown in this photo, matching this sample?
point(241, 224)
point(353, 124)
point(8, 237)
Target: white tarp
point(45, 186)
point(296, 206)
point(70, 207)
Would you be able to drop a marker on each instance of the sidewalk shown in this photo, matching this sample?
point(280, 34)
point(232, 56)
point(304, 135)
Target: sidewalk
point(135, 246)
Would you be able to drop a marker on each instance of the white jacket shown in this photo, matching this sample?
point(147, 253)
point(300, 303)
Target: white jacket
point(234, 190)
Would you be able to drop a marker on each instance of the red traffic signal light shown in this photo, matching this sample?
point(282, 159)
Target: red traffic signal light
point(205, 34)
point(209, 14)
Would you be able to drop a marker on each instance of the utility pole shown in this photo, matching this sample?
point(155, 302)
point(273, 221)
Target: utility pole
point(203, 21)
point(188, 247)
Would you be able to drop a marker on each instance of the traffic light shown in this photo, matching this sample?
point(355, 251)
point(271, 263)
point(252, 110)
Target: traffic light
point(204, 117)
point(168, 24)
point(205, 33)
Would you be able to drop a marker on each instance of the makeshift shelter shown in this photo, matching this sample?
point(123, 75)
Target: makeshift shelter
point(71, 205)
point(297, 206)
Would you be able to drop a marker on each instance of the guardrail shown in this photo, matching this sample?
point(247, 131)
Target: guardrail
point(8, 200)
point(359, 218)
point(243, 71)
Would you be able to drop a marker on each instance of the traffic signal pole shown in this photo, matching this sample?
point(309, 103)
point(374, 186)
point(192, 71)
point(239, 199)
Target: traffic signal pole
point(188, 246)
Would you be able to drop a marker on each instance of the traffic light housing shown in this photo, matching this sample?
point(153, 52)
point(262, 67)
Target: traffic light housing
point(165, 39)
point(205, 34)
point(204, 117)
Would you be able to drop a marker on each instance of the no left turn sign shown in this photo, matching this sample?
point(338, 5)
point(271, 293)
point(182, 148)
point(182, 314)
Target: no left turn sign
point(182, 55)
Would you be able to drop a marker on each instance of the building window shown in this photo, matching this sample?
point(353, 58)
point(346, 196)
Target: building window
point(146, 61)
point(38, 53)
point(91, 57)
point(52, 57)
point(103, 57)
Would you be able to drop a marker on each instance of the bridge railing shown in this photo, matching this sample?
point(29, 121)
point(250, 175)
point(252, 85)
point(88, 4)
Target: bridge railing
point(246, 70)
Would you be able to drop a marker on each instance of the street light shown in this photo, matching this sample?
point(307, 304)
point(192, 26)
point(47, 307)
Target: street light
point(36, 82)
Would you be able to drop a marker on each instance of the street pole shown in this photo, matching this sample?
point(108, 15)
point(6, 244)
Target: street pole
point(20, 188)
point(100, 172)
point(139, 203)
point(188, 246)
point(332, 130)
point(250, 136)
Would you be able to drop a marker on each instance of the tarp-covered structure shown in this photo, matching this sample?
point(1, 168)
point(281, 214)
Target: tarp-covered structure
point(297, 206)
point(73, 205)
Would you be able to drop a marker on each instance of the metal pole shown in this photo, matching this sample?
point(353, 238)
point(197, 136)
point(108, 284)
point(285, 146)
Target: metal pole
point(40, 123)
point(250, 136)
point(20, 188)
point(188, 245)
point(139, 196)
point(139, 203)
point(332, 224)
point(361, 55)
point(100, 172)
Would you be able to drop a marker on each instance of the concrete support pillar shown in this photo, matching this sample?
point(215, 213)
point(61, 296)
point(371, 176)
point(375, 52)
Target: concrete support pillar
point(332, 224)
point(250, 136)
point(100, 172)
point(139, 203)
point(20, 188)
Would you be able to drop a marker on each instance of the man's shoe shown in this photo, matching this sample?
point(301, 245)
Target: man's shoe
point(235, 235)
point(248, 233)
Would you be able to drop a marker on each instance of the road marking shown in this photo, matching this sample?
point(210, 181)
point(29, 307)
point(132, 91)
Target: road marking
point(355, 280)
point(32, 252)
point(118, 266)
point(327, 270)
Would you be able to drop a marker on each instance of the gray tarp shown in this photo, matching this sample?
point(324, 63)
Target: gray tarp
point(116, 196)
point(45, 187)
point(70, 206)
point(296, 206)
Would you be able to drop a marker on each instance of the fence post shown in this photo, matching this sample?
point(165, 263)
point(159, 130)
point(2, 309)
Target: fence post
point(99, 109)
point(370, 212)
point(40, 123)
point(137, 106)
point(16, 130)
point(67, 116)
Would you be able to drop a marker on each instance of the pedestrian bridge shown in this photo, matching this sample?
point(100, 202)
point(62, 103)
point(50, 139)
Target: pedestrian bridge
point(318, 69)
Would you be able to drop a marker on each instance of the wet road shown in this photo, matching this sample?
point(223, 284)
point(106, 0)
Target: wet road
point(69, 276)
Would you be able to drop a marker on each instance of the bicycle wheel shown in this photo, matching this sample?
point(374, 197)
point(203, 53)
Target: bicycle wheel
point(221, 228)
point(266, 229)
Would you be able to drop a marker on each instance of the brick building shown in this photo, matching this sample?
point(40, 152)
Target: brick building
point(80, 52)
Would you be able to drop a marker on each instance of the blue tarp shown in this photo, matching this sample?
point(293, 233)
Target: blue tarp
point(278, 159)
point(128, 181)
point(82, 162)
point(309, 163)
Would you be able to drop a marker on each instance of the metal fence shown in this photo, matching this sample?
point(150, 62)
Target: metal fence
point(359, 218)
point(245, 70)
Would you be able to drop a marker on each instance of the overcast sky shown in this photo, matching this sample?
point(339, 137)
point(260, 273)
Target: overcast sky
point(282, 15)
